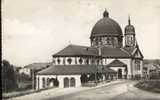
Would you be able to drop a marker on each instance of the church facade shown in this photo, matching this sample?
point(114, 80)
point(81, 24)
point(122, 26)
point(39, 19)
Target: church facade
point(106, 59)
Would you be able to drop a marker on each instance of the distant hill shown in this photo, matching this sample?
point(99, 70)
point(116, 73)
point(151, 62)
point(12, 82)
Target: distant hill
point(152, 62)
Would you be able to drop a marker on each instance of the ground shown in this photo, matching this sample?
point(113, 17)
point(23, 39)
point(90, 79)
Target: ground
point(115, 90)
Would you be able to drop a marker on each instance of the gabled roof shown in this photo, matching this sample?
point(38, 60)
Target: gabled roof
point(37, 66)
point(72, 69)
point(138, 52)
point(116, 63)
point(75, 50)
point(115, 52)
point(130, 49)
point(133, 50)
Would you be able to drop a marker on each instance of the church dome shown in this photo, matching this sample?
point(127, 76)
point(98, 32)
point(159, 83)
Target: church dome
point(106, 27)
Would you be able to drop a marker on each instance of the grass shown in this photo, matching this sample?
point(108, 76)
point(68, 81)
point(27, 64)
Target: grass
point(149, 85)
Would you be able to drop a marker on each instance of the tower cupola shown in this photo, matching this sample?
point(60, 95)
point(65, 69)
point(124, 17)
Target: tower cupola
point(129, 34)
point(129, 29)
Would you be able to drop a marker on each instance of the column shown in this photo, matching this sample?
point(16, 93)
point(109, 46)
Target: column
point(61, 81)
point(40, 83)
point(78, 81)
point(103, 77)
point(46, 82)
point(37, 82)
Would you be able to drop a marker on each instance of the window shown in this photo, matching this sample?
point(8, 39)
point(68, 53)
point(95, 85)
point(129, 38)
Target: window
point(137, 65)
point(38, 82)
point(43, 80)
point(75, 60)
point(87, 61)
point(72, 82)
point(64, 61)
point(80, 61)
point(59, 61)
point(69, 60)
point(92, 61)
point(98, 61)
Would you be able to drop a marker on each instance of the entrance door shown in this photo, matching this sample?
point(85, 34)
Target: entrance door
point(66, 82)
point(53, 82)
point(73, 83)
point(119, 73)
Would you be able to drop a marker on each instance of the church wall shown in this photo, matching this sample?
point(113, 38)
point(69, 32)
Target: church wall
point(125, 61)
point(40, 83)
point(135, 71)
point(61, 80)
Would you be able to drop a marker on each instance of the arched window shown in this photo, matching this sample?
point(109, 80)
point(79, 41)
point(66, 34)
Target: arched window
point(66, 82)
point(80, 60)
point(43, 82)
point(87, 61)
point(137, 65)
point(69, 60)
point(73, 82)
point(97, 61)
point(47, 81)
point(59, 61)
point(92, 61)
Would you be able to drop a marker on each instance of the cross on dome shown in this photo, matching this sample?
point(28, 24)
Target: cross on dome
point(105, 13)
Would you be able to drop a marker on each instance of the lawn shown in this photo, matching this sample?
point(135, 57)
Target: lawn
point(149, 85)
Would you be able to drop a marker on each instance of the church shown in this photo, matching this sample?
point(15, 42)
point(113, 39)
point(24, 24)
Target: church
point(107, 58)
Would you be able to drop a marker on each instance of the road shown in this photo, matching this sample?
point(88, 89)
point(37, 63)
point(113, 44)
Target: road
point(121, 90)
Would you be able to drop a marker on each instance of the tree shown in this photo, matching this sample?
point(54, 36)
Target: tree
point(8, 76)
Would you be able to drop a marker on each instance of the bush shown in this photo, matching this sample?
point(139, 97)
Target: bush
point(150, 85)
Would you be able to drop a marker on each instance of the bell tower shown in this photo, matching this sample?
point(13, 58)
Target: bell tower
point(130, 40)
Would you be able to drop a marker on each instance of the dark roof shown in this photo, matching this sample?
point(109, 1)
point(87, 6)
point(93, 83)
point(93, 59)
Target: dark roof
point(129, 49)
point(115, 52)
point(37, 66)
point(76, 50)
point(133, 50)
point(68, 69)
point(116, 63)
point(72, 69)
point(106, 26)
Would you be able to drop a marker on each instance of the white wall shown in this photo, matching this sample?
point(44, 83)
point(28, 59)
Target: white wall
point(60, 79)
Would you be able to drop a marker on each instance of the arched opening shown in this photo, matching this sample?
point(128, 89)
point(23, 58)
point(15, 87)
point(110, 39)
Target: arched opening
point(119, 73)
point(84, 78)
point(66, 82)
point(53, 82)
point(73, 82)
point(43, 82)
point(48, 82)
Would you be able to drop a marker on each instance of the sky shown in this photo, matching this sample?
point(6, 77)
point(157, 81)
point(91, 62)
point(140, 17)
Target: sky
point(33, 30)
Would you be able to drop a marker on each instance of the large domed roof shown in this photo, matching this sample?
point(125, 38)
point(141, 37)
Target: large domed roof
point(106, 26)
